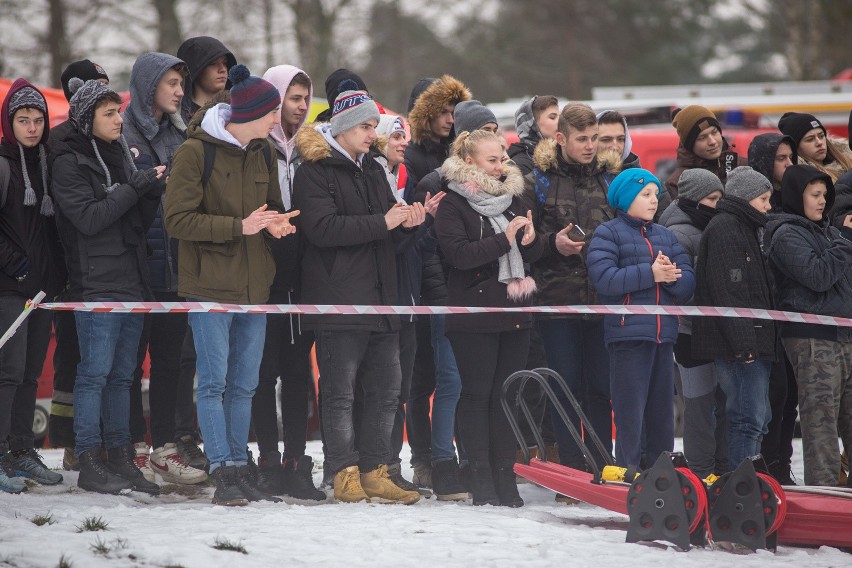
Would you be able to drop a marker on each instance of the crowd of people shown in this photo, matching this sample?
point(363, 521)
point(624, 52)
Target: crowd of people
point(212, 186)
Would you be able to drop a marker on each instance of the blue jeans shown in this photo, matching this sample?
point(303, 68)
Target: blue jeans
point(229, 348)
point(447, 392)
point(746, 387)
point(108, 344)
point(576, 350)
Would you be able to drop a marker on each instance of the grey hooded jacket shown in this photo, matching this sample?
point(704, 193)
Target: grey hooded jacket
point(152, 144)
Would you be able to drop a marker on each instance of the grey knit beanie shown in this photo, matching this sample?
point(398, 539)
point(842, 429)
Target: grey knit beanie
point(746, 183)
point(352, 108)
point(83, 101)
point(471, 115)
point(696, 183)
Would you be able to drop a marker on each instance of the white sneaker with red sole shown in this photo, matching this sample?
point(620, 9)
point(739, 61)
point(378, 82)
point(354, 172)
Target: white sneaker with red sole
point(167, 462)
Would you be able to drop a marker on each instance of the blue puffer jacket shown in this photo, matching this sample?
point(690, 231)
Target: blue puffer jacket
point(619, 260)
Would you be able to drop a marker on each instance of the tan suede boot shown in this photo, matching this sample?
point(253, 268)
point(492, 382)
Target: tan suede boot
point(378, 486)
point(347, 486)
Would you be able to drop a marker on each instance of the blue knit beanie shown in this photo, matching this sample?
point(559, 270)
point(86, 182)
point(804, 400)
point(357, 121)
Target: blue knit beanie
point(627, 185)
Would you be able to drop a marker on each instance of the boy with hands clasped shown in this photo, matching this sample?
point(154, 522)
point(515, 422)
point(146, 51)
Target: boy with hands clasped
point(633, 260)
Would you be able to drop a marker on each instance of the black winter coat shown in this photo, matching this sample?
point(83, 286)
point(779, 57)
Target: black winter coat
point(472, 250)
point(424, 157)
point(433, 286)
point(350, 256)
point(732, 272)
point(27, 236)
point(521, 153)
point(103, 234)
point(812, 265)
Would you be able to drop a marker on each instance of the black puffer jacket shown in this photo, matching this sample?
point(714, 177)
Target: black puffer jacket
point(732, 272)
point(433, 286)
point(350, 256)
point(103, 233)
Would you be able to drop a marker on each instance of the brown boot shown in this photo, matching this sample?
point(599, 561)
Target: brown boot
point(378, 486)
point(347, 486)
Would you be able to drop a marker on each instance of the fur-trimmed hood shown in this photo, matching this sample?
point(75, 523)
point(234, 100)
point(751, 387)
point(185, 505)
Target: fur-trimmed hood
point(546, 157)
point(312, 145)
point(444, 90)
point(474, 179)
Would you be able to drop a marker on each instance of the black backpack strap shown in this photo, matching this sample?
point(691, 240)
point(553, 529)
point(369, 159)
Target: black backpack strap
point(5, 176)
point(209, 158)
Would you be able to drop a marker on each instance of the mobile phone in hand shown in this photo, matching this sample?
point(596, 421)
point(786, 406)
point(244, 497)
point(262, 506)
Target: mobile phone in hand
point(577, 234)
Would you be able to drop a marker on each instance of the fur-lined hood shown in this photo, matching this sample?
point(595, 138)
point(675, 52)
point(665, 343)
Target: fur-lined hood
point(444, 90)
point(312, 145)
point(474, 179)
point(546, 158)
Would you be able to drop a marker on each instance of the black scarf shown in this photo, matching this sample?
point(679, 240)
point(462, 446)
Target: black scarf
point(698, 213)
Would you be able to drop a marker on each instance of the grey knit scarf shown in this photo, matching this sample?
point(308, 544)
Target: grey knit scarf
point(511, 264)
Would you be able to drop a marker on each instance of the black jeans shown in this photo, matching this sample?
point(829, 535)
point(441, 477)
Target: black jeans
point(534, 395)
point(162, 337)
point(419, 404)
point(777, 444)
point(185, 403)
point(485, 360)
point(370, 359)
point(21, 361)
point(407, 351)
point(286, 354)
point(66, 356)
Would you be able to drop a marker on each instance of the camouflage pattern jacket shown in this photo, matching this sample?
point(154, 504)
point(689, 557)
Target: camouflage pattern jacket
point(558, 193)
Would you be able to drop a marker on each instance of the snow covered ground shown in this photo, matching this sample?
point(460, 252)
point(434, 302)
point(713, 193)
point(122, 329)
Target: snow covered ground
point(176, 530)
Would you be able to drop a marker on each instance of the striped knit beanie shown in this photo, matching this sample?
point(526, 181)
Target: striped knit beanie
point(251, 97)
point(352, 108)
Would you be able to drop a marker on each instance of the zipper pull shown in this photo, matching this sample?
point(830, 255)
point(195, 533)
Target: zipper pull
point(622, 321)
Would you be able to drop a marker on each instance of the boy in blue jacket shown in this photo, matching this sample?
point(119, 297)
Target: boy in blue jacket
point(633, 260)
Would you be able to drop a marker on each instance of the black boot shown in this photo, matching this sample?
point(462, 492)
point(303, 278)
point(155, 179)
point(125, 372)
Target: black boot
point(227, 492)
point(782, 473)
point(270, 474)
point(121, 462)
point(507, 486)
point(446, 483)
point(94, 476)
point(482, 485)
point(299, 481)
point(247, 482)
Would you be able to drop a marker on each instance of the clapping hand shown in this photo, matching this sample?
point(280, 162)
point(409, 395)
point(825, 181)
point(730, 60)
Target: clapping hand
point(664, 269)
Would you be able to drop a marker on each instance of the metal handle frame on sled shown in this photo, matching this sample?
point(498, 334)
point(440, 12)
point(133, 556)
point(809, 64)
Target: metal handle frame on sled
point(541, 376)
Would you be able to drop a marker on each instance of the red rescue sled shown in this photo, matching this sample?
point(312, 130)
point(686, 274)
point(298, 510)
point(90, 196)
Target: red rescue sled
point(815, 515)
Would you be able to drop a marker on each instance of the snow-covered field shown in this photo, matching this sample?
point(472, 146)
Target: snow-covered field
point(176, 530)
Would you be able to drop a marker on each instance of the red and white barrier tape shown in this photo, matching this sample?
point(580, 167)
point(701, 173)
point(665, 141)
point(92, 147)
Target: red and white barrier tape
point(213, 307)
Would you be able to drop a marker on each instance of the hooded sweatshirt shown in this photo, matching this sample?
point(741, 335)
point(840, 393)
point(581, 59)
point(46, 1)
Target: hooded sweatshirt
point(521, 152)
point(198, 53)
point(811, 261)
point(628, 158)
point(153, 143)
point(285, 141)
point(761, 157)
point(29, 243)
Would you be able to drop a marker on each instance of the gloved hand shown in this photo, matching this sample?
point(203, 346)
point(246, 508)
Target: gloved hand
point(142, 180)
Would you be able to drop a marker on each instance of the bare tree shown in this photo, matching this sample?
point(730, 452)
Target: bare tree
point(169, 36)
point(315, 22)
